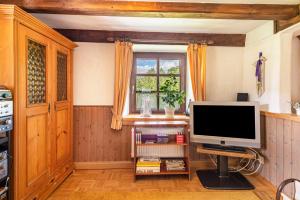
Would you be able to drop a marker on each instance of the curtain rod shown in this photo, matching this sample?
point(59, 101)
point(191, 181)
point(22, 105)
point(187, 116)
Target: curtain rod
point(127, 39)
point(207, 42)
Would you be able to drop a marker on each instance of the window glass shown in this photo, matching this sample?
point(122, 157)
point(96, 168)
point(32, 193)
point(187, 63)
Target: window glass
point(150, 71)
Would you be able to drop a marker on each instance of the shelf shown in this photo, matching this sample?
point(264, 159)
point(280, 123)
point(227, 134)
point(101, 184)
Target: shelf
point(248, 155)
point(160, 123)
point(130, 119)
point(3, 179)
point(3, 140)
point(166, 157)
point(163, 173)
point(159, 144)
point(163, 169)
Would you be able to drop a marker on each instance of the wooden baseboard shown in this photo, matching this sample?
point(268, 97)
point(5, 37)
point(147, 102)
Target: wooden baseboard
point(104, 165)
point(129, 165)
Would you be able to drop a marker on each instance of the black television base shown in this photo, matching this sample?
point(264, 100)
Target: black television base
point(222, 179)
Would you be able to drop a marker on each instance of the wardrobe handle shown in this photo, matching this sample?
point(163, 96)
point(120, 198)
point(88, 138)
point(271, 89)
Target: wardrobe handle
point(52, 180)
point(49, 106)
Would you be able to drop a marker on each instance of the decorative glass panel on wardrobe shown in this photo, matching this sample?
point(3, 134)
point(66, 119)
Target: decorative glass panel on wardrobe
point(62, 80)
point(36, 73)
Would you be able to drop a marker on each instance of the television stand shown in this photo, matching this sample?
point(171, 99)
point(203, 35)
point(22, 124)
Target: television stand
point(221, 178)
point(224, 148)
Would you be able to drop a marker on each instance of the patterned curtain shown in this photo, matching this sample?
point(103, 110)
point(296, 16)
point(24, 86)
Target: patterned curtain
point(123, 68)
point(197, 60)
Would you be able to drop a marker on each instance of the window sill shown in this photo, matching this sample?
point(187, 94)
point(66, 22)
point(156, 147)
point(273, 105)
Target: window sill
point(131, 118)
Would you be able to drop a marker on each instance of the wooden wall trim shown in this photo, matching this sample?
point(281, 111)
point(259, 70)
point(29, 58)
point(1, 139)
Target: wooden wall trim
point(108, 106)
point(287, 116)
point(130, 119)
point(203, 164)
point(161, 9)
point(104, 165)
point(102, 36)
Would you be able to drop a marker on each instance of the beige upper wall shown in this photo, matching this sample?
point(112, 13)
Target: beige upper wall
point(94, 72)
point(224, 70)
point(262, 40)
point(282, 69)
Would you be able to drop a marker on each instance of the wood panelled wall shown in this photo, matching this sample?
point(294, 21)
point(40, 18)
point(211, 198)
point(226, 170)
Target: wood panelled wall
point(95, 141)
point(282, 150)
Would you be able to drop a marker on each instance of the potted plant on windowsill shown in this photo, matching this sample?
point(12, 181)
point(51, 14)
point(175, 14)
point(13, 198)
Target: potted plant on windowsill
point(171, 95)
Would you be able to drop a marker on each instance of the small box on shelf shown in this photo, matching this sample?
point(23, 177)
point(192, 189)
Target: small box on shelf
point(180, 138)
point(162, 138)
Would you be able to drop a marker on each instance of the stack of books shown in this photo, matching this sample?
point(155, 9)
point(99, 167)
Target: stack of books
point(175, 165)
point(148, 165)
point(138, 137)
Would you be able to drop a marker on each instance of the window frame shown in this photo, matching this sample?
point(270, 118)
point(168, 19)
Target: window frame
point(157, 56)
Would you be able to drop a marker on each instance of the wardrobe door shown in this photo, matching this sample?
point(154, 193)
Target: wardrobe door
point(62, 105)
point(32, 141)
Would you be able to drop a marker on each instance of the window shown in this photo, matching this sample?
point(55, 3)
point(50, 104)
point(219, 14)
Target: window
point(150, 70)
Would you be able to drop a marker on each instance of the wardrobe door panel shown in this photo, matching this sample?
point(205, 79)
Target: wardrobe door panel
point(61, 140)
point(32, 169)
point(62, 135)
point(36, 141)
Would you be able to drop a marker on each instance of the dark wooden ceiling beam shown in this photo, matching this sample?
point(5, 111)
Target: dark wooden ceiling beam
point(99, 36)
point(283, 24)
point(160, 9)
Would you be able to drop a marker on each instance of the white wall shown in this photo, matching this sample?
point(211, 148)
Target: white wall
point(224, 73)
point(262, 40)
point(290, 67)
point(295, 69)
point(282, 51)
point(94, 72)
point(94, 65)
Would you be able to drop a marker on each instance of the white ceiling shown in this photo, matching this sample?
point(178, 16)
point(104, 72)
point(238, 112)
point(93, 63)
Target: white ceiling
point(116, 23)
point(142, 24)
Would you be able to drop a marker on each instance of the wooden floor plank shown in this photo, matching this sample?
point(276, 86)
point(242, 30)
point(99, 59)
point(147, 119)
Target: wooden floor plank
point(119, 184)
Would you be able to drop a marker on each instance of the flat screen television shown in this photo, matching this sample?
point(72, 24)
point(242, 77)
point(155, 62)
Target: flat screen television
point(226, 123)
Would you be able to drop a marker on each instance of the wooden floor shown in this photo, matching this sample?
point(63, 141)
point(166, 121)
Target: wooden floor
point(119, 185)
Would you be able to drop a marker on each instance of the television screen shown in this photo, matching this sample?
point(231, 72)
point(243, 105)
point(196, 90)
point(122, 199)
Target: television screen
point(224, 121)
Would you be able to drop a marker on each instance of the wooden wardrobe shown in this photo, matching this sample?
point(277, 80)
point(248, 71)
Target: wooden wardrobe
point(36, 64)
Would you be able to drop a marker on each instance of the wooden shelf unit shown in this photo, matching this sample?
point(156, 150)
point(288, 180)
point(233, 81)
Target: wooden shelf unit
point(172, 142)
